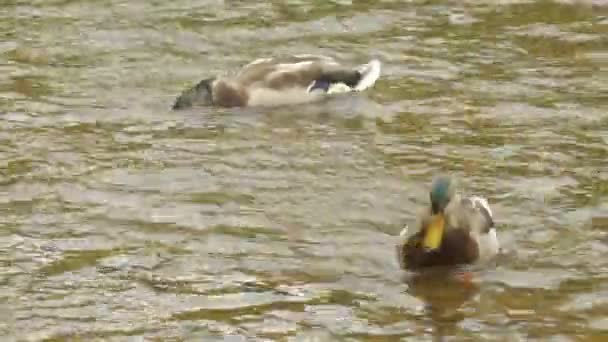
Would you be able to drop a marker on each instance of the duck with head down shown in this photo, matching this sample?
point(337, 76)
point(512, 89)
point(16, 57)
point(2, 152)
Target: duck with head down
point(452, 231)
point(279, 81)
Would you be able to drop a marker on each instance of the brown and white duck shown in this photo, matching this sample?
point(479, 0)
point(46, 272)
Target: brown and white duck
point(281, 81)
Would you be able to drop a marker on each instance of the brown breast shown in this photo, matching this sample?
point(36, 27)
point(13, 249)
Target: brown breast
point(457, 247)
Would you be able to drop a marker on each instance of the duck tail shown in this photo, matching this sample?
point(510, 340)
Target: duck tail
point(344, 80)
point(370, 73)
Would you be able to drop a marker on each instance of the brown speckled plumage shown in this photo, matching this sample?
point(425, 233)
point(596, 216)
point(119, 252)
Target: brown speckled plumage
point(279, 81)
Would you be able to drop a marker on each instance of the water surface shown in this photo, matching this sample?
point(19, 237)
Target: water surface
point(122, 219)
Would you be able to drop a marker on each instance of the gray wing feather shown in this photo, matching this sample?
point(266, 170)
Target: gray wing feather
point(295, 71)
point(472, 213)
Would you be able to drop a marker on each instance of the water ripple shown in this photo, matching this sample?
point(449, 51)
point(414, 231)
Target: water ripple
point(122, 219)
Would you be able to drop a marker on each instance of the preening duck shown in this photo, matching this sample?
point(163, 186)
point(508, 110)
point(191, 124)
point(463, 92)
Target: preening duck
point(281, 81)
point(453, 230)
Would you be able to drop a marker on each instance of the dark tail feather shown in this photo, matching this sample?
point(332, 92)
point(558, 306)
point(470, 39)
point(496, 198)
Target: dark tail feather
point(348, 77)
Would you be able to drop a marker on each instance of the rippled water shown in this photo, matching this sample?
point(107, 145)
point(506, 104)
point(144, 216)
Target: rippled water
point(123, 219)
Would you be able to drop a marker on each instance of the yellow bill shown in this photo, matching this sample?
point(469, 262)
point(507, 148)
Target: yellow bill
point(434, 232)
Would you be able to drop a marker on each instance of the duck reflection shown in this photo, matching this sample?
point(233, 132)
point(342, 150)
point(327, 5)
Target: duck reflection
point(444, 293)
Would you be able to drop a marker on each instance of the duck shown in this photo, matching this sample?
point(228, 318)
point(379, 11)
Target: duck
point(282, 80)
point(453, 230)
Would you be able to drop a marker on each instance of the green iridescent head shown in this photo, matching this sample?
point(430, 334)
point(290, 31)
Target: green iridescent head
point(441, 193)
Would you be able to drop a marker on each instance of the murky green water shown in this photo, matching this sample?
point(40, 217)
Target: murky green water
point(121, 219)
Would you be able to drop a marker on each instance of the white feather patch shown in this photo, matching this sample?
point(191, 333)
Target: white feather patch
point(338, 88)
point(404, 231)
point(488, 243)
point(272, 97)
point(481, 202)
point(326, 59)
point(259, 61)
point(371, 73)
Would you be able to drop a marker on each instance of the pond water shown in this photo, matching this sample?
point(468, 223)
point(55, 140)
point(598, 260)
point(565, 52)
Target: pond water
point(123, 220)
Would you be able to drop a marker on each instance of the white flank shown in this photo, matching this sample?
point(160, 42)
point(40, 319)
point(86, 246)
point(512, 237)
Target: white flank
point(488, 245)
point(399, 246)
point(271, 97)
point(371, 73)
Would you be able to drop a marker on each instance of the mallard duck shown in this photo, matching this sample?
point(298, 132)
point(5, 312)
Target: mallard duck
point(453, 230)
point(281, 81)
